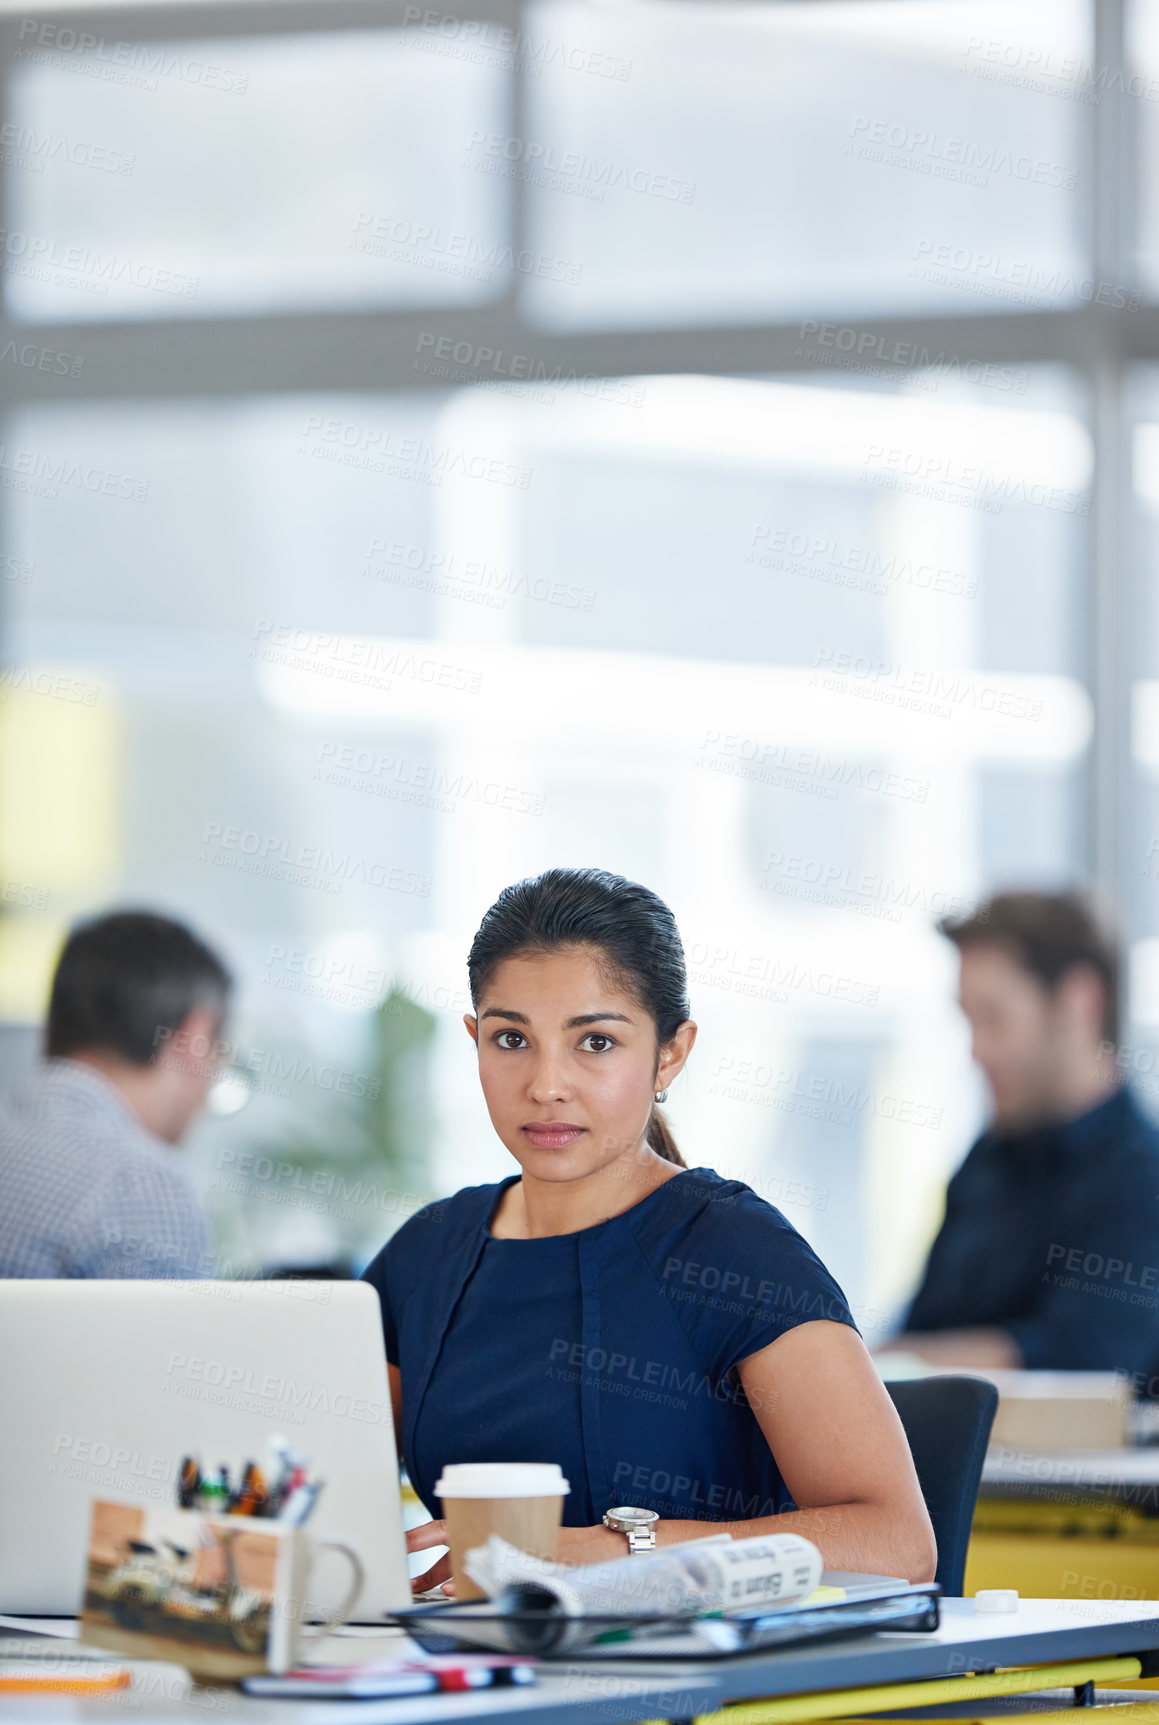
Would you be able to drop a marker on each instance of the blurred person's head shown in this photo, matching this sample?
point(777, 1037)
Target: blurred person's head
point(142, 1000)
point(1039, 985)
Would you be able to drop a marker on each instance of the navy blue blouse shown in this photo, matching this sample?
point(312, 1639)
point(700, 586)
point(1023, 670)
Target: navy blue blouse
point(611, 1351)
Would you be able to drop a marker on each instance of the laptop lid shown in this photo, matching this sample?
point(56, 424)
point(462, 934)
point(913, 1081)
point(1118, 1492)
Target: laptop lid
point(106, 1385)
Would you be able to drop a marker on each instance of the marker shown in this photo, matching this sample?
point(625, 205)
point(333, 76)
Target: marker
point(279, 1470)
point(188, 1483)
point(300, 1504)
point(260, 1492)
point(251, 1496)
point(213, 1496)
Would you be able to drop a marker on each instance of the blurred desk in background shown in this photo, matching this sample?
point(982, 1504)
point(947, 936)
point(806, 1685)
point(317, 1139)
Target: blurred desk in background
point(1068, 1507)
point(1047, 1413)
point(1078, 1524)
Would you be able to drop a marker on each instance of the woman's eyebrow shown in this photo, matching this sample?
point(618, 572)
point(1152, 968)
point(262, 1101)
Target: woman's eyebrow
point(572, 1023)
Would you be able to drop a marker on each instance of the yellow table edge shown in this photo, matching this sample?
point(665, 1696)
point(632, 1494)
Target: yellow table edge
point(887, 1697)
point(1138, 1710)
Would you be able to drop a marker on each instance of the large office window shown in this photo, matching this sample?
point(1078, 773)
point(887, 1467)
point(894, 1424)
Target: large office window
point(530, 478)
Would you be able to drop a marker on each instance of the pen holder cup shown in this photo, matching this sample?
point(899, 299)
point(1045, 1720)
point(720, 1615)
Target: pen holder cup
point(223, 1595)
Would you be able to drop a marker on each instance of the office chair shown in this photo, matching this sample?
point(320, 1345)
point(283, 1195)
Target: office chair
point(947, 1422)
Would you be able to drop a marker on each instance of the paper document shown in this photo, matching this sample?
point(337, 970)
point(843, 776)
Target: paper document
point(568, 1606)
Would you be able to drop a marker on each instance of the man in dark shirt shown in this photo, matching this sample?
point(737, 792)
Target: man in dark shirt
point(1048, 1256)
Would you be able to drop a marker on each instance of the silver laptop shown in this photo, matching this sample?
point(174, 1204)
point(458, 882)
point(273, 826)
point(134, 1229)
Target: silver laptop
point(107, 1385)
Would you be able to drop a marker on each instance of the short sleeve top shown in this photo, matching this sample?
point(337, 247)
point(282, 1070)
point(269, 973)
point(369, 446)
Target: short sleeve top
point(611, 1351)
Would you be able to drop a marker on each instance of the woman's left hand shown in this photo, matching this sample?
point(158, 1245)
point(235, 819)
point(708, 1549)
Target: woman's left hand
point(576, 1545)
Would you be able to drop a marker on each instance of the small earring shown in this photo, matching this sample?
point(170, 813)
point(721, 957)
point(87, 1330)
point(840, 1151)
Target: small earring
point(661, 1096)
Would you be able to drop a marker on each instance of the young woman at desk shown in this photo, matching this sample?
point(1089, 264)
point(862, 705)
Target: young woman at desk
point(661, 1333)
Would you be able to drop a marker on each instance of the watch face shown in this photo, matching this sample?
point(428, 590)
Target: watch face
point(639, 1517)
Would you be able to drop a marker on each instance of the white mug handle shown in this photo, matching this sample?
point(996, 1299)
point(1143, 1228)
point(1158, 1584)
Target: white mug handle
point(341, 1612)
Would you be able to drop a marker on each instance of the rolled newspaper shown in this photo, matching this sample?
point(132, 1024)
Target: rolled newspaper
point(716, 1573)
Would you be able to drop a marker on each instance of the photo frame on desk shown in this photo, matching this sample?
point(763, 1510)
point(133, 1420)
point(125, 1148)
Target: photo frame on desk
point(224, 1596)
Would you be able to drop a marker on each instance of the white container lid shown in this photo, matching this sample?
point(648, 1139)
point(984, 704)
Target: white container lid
point(996, 1599)
point(502, 1479)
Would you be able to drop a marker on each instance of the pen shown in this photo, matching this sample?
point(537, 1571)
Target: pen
point(300, 1504)
point(41, 1679)
point(188, 1483)
point(251, 1496)
point(213, 1495)
point(260, 1492)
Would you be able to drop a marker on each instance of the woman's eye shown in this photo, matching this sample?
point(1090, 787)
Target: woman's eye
point(597, 1042)
point(502, 1038)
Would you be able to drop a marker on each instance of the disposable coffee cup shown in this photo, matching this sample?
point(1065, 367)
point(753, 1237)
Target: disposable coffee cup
point(521, 1501)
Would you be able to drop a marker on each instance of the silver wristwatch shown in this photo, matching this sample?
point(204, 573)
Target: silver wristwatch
point(638, 1524)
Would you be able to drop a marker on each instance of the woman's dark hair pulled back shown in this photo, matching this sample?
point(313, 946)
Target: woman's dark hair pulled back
point(632, 929)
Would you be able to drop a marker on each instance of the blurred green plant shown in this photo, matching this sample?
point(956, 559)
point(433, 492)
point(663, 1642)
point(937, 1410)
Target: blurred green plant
point(328, 1179)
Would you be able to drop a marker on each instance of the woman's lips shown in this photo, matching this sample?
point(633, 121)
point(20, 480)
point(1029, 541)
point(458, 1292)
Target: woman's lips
point(555, 1135)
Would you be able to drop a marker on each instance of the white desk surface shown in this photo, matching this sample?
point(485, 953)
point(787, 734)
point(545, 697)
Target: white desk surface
point(1040, 1631)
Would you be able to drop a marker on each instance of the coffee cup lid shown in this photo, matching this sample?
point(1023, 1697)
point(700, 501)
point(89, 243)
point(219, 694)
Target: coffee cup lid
point(502, 1479)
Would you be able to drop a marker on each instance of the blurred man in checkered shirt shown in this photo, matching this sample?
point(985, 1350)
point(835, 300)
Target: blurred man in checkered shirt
point(90, 1179)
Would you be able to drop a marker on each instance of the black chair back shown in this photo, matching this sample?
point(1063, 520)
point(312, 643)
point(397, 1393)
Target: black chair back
point(947, 1422)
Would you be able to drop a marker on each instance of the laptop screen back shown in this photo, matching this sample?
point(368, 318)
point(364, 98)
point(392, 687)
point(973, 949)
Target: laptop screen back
point(107, 1385)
